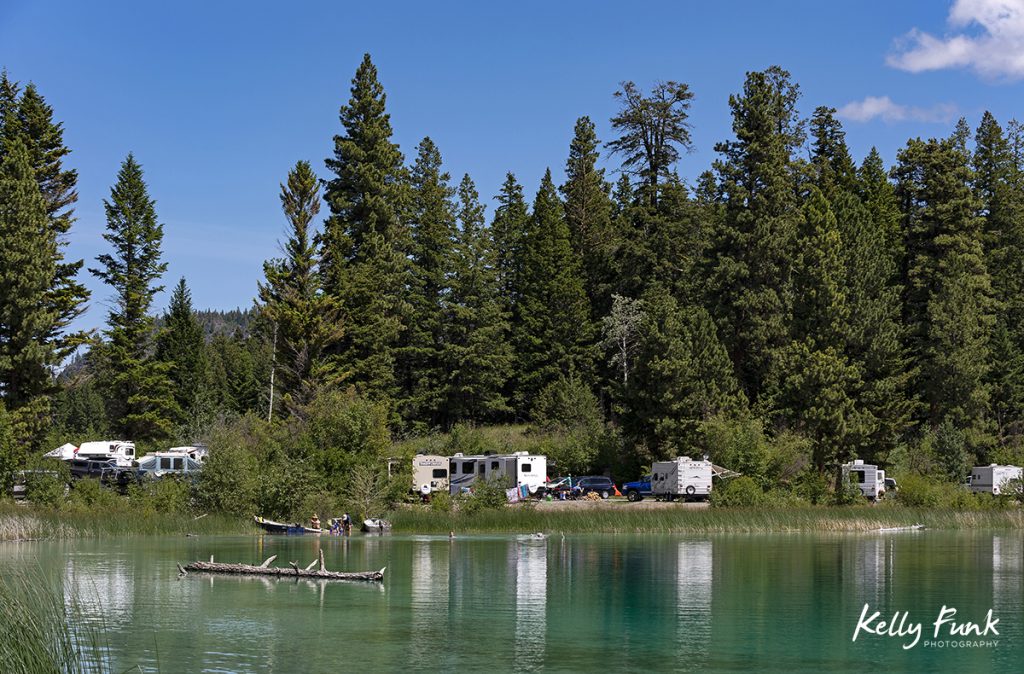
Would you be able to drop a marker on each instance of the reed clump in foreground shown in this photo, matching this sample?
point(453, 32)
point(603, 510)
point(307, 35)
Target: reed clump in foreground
point(19, 523)
point(681, 519)
point(44, 629)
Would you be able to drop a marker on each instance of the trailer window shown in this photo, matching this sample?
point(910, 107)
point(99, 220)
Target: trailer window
point(440, 472)
point(178, 464)
point(165, 463)
point(494, 465)
point(526, 468)
point(467, 469)
point(482, 467)
point(858, 476)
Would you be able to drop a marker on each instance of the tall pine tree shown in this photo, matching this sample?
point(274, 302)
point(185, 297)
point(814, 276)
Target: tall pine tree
point(365, 242)
point(140, 398)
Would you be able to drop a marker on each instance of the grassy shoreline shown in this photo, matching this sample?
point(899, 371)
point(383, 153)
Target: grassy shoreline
point(22, 523)
point(701, 521)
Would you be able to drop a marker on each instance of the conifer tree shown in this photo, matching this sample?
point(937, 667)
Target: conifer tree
point(27, 318)
point(588, 212)
point(141, 403)
point(751, 262)
point(306, 322)
point(181, 345)
point(998, 187)
point(682, 377)
point(552, 313)
point(431, 265)
point(652, 130)
point(948, 302)
point(511, 220)
point(365, 241)
point(477, 355)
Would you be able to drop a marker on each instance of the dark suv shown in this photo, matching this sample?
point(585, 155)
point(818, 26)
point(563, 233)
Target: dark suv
point(91, 467)
point(602, 485)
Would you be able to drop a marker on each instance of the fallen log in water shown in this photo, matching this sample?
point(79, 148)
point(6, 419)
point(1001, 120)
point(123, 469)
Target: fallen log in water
point(293, 571)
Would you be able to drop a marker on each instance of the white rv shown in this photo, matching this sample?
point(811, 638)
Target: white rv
point(158, 464)
point(866, 477)
point(122, 451)
point(511, 470)
point(993, 479)
point(681, 478)
point(195, 452)
point(429, 473)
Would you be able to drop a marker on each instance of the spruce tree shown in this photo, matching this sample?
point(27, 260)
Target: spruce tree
point(141, 404)
point(181, 345)
point(588, 212)
point(998, 188)
point(948, 303)
point(682, 377)
point(477, 355)
point(751, 262)
point(365, 242)
point(552, 314)
point(28, 251)
point(305, 321)
point(511, 220)
point(431, 265)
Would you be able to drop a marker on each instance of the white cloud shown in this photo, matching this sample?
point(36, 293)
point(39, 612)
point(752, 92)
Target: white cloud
point(986, 36)
point(883, 107)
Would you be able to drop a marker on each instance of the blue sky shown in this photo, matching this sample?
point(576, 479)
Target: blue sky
point(218, 100)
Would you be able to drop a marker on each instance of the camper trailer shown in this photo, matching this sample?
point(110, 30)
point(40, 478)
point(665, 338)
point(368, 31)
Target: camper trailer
point(866, 477)
point(511, 470)
point(993, 479)
point(197, 453)
point(158, 464)
point(681, 478)
point(121, 451)
point(429, 473)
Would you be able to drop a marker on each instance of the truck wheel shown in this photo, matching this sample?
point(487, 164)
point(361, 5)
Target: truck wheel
point(633, 495)
point(691, 490)
point(605, 494)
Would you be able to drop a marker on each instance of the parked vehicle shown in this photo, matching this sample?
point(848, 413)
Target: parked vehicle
point(636, 491)
point(890, 485)
point(429, 473)
point(122, 451)
point(994, 479)
point(510, 470)
point(681, 478)
point(158, 464)
point(91, 467)
point(594, 483)
point(866, 477)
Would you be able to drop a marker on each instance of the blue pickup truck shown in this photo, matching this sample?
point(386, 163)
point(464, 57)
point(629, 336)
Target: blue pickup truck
point(636, 491)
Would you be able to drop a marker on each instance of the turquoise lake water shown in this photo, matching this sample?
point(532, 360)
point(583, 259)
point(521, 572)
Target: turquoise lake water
point(582, 603)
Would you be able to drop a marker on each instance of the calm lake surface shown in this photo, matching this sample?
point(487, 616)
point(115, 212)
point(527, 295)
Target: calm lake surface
point(582, 603)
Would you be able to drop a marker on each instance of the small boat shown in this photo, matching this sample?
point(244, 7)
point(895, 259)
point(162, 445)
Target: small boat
point(536, 538)
point(272, 527)
point(375, 525)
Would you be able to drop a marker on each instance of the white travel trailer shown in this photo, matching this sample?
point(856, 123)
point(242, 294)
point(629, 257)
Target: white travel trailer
point(511, 470)
point(429, 473)
point(993, 479)
point(158, 464)
point(122, 451)
point(681, 478)
point(866, 477)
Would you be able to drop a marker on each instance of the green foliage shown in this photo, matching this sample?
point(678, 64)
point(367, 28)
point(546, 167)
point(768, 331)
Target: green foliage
point(180, 344)
point(567, 403)
point(344, 430)
point(741, 492)
point(486, 495)
point(140, 402)
point(46, 482)
point(306, 321)
point(365, 242)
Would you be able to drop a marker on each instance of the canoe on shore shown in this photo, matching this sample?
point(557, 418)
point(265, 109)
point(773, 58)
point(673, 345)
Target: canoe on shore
point(292, 571)
point(272, 527)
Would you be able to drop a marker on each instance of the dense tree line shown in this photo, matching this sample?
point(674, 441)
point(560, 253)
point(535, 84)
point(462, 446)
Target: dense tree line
point(787, 295)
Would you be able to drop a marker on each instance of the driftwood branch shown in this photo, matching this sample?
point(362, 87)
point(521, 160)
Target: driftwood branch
point(266, 562)
point(310, 565)
point(322, 560)
point(292, 570)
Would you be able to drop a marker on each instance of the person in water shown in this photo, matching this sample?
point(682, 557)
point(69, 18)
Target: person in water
point(346, 524)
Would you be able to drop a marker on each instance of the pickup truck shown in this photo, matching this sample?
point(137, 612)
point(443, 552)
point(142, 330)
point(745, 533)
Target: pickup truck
point(636, 491)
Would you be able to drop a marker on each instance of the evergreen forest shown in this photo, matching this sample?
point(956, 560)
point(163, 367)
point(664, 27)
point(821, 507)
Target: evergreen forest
point(787, 310)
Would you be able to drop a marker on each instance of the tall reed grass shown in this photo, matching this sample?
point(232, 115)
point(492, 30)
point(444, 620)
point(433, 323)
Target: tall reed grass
point(42, 629)
point(29, 523)
point(588, 519)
